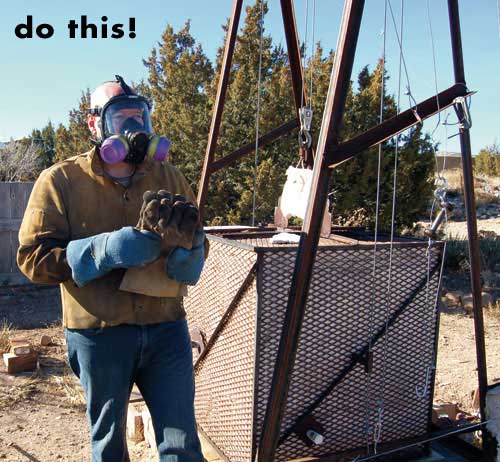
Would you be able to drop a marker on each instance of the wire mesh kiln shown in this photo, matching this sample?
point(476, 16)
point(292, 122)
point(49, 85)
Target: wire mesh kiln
point(239, 307)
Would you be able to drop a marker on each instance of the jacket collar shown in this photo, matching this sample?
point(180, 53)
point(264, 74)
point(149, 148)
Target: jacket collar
point(97, 168)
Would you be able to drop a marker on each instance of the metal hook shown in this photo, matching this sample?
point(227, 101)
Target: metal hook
point(377, 428)
point(422, 391)
point(440, 193)
point(463, 113)
point(305, 139)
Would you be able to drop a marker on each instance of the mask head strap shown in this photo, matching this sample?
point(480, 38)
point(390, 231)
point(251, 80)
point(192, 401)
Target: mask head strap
point(126, 89)
point(97, 111)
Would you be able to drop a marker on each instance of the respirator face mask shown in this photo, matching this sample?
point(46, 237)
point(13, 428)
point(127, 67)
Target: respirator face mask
point(127, 135)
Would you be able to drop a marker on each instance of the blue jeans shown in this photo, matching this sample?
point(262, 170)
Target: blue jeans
point(158, 358)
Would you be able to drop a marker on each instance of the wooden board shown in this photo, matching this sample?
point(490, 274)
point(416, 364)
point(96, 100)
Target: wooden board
point(19, 195)
point(209, 452)
point(5, 252)
point(5, 200)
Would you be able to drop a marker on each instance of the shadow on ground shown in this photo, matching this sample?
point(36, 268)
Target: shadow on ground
point(30, 306)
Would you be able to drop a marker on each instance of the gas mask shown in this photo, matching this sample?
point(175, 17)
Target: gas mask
point(127, 134)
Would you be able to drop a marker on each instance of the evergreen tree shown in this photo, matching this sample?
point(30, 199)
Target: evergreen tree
point(48, 135)
point(182, 86)
point(354, 183)
point(487, 161)
point(239, 126)
point(44, 139)
point(75, 139)
point(178, 75)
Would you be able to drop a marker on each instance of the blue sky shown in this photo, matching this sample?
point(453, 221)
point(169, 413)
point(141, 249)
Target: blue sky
point(42, 79)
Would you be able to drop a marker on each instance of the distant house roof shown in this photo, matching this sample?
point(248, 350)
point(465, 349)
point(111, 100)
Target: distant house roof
point(448, 154)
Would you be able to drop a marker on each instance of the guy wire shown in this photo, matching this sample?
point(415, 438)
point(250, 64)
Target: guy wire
point(257, 121)
point(375, 249)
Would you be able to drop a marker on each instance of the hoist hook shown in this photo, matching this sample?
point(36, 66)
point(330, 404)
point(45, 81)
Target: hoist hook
point(446, 207)
point(305, 117)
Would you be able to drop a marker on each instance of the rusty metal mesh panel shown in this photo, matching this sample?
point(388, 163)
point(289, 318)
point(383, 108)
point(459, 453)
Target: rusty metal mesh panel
point(343, 298)
point(225, 383)
point(225, 270)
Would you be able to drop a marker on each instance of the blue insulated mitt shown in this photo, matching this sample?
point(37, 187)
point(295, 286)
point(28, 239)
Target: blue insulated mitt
point(184, 265)
point(93, 257)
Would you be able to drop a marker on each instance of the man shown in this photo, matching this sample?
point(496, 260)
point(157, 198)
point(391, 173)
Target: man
point(89, 219)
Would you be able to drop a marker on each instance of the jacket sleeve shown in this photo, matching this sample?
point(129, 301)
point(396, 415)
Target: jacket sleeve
point(45, 233)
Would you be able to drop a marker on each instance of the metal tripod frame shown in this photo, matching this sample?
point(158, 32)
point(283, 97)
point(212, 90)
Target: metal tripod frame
point(330, 152)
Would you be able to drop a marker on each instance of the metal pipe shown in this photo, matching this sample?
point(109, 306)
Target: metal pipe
point(329, 134)
point(470, 208)
point(219, 104)
point(264, 140)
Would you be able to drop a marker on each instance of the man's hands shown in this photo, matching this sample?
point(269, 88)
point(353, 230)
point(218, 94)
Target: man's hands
point(176, 220)
point(173, 218)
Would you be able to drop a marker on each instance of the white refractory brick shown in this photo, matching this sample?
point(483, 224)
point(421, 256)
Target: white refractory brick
point(149, 432)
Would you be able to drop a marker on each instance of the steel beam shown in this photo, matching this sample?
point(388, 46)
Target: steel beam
point(470, 209)
point(298, 80)
point(391, 127)
point(219, 104)
point(264, 140)
point(328, 137)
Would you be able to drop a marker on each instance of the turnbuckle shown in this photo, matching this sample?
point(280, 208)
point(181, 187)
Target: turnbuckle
point(305, 117)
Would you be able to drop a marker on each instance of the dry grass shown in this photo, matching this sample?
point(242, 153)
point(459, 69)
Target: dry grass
point(67, 384)
point(492, 314)
point(21, 391)
point(483, 198)
point(455, 181)
point(455, 185)
point(59, 382)
point(5, 333)
point(53, 376)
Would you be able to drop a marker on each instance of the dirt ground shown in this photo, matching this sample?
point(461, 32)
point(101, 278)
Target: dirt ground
point(458, 229)
point(42, 415)
point(456, 375)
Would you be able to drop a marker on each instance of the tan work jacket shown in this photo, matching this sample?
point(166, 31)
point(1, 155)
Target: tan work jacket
point(74, 199)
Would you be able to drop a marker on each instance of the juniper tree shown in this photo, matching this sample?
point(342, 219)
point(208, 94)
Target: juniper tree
point(178, 75)
point(75, 139)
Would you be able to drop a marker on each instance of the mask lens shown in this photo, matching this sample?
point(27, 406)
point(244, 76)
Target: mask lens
point(127, 115)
